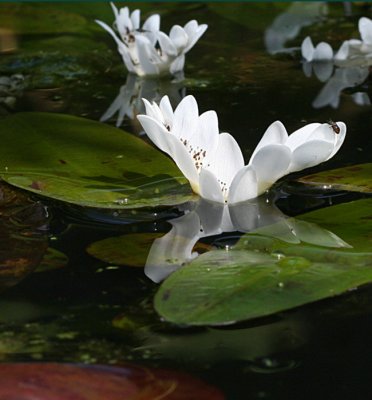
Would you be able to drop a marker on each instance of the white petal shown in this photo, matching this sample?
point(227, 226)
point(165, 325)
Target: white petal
point(183, 160)
point(194, 36)
point(135, 18)
point(114, 9)
point(365, 29)
point(243, 186)
point(310, 154)
point(270, 164)
point(145, 55)
point(171, 145)
point(167, 110)
point(185, 122)
point(152, 23)
point(178, 36)
point(127, 59)
point(301, 135)
point(111, 32)
point(153, 110)
point(191, 27)
point(156, 132)
point(274, 134)
point(123, 21)
point(206, 136)
point(323, 51)
point(307, 49)
point(343, 51)
point(324, 132)
point(178, 64)
point(225, 161)
point(209, 188)
point(339, 138)
point(166, 44)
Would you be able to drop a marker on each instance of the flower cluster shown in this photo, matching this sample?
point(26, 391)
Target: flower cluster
point(213, 162)
point(350, 50)
point(148, 51)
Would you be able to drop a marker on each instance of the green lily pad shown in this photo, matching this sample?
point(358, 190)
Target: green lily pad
point(356, 178)
point(130, 250)
point(263, 274)
point(86, 163)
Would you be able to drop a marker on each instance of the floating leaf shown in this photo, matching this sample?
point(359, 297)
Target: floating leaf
point(45, 381)
point(86, 163)
point(130, 250)
point(263, 274)
point(356, 178)
point(53, 259)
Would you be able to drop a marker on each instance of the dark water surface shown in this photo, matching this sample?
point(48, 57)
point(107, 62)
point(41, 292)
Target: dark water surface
point(95, 312)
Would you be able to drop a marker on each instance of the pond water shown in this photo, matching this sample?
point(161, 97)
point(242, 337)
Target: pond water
point(90, 302)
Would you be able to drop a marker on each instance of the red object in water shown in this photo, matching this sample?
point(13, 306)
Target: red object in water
point(53, 381)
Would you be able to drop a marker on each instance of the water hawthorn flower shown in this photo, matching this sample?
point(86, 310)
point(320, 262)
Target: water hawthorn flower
point(148, 51)
point(213, 162)
point(355, 48)
point(321, 52)
point(349, 51)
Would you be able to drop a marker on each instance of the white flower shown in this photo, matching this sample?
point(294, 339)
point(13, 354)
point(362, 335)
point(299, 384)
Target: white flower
point(355, 48)
point(147, 50)
point(129, 102)
point(213, 163)
point(322, 52)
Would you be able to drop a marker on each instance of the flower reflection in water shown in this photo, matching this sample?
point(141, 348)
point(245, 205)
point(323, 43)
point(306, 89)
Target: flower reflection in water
point(342, 79)
point(203, 219)
point(288, 25)
point(128, 102)
point(11, 88)
point(346, 68)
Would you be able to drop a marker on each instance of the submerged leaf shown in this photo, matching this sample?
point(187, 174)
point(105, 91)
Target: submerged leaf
point(23, 235)
point(264, 274)
point(46, 381)
point(86, 163)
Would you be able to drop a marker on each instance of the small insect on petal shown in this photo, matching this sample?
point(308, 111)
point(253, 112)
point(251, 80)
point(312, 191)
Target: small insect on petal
point(334, 126)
